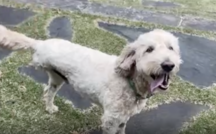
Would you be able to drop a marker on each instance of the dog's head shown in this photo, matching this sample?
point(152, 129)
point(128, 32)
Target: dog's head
point(155, 56)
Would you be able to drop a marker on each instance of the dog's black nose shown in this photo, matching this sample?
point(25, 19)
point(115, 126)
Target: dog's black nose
point(167, 66)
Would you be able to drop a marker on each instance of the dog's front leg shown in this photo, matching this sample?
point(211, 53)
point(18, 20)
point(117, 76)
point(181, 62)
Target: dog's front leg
point(113, 125)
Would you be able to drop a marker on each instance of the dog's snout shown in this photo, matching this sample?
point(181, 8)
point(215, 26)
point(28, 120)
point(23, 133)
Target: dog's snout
point(167, 66)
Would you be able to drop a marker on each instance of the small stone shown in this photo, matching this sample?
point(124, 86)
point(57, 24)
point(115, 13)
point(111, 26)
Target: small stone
point(13, 16)
point(61, 27)
point(10, 102)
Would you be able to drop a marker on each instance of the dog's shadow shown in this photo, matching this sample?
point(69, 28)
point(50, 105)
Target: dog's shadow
point(66, 91)
point(166, 119)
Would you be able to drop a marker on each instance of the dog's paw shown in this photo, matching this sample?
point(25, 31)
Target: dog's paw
point(52, 109)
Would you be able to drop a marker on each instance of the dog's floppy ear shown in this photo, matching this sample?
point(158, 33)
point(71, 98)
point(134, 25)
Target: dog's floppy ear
point(126, 61)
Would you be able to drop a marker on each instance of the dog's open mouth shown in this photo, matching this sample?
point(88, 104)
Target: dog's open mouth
point(159, 81)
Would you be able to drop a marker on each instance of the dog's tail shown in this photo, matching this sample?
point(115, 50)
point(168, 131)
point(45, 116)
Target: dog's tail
point(15, 41)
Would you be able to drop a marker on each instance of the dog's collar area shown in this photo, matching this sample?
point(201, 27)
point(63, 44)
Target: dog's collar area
point(138, 96)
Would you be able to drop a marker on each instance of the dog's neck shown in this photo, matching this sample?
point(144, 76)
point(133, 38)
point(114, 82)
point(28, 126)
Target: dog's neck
point(140, 86)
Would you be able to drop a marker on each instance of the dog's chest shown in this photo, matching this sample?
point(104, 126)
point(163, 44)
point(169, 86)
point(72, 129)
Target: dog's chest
point(139, 106)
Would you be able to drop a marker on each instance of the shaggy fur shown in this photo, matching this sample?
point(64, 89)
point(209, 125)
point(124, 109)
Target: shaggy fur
point(103, 78)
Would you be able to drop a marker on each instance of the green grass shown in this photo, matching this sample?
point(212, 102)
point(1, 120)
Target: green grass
point(23, 112)
point(205, 5)
point(127, 3)
point(202, 8)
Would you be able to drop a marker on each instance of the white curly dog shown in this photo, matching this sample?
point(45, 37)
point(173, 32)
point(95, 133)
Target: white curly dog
point(120, 84)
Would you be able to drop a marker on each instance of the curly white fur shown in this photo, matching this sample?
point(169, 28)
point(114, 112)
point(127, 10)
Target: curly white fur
point(101, 77)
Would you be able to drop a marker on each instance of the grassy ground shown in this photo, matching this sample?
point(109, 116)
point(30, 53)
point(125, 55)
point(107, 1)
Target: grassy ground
point(22, 111)
point(203, 8)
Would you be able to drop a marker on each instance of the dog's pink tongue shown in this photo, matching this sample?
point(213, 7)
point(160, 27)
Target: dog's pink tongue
point(156, 83)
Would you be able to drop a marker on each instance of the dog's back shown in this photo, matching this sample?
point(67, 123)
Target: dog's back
point(85, 68)
point(77, 58)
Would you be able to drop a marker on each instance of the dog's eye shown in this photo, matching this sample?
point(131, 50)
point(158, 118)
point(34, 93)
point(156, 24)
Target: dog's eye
point(150, 49)
point(170, 48)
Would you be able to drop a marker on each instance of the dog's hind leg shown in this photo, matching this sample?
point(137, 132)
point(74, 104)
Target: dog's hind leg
point(54, 84)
